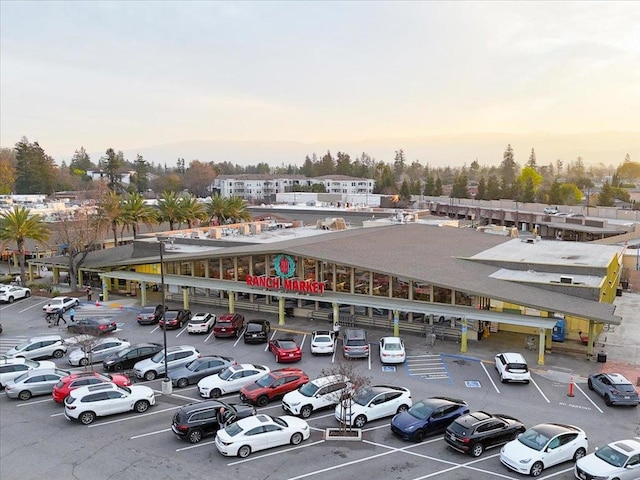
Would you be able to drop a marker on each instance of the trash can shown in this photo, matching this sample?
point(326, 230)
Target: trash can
point(101, 297)
point(602, 356)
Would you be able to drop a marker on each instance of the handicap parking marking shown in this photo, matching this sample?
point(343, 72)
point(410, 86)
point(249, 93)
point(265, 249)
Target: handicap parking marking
point(428, 367)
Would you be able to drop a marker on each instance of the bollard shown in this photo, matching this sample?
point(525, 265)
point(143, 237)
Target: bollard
point(570, 392)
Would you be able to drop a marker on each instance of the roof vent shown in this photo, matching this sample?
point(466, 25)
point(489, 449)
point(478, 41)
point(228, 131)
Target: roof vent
point(566, 279)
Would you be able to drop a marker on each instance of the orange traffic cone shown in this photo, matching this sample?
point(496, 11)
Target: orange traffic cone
point(97, 303)
point(570, 392)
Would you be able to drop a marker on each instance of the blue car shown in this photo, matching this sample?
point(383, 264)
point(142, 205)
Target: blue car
point(427, 417)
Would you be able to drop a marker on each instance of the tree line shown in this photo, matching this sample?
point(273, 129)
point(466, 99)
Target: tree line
point(28, 169)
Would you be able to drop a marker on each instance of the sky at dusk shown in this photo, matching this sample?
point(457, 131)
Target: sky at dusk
point(131, 75)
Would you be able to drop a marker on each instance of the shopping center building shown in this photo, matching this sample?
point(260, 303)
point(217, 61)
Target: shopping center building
point(414, 277)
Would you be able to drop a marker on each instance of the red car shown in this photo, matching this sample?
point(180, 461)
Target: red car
point(228, 325)
point(62, 389)
point(175, 318)
point(273, 385)
point(285, 350)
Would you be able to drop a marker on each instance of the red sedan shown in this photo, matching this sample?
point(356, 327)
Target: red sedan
point(285, 350)
point(62, 389)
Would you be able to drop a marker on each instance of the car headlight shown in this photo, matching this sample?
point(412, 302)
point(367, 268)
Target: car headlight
point(294, 404)
point(525, 460)
point(411, 428)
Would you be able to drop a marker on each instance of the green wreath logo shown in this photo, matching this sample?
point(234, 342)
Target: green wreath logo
point(285, 266)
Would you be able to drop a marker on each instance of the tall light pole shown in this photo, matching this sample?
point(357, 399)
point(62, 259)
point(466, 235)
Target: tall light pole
point(167, 388)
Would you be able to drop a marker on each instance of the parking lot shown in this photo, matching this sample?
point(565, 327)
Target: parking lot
point(37, 439)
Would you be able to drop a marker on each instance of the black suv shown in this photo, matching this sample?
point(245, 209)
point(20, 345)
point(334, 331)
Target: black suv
point(476, 431)
point(197, 420)
point(126, 359)
point(257, 331)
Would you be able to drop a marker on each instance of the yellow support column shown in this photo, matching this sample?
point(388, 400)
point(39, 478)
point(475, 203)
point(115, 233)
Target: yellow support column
point(143, 294)
point(336, 317)
point(463, 337)
point(185, 298)
point(541, 340)
point(232, 299)
point(105, 290)
point(591, 339)
point(396, 323)
point(281, 311)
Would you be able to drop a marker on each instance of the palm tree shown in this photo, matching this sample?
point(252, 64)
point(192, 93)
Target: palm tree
point(110, 212)
point(17, 226)
point(192, 210)
point(237, 210)
point(170, 209)
point(217, 209)
point(134, 211)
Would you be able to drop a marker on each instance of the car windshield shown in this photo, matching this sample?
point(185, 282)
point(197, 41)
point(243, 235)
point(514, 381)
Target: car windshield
point(392, 346)
point(31, 363)
point(23, 345)
point(280, 421)
point(226, 373)
point(624, 387)
point(193, 365)
point(123, 353)
point(158, 357)
point(421, 410)
point(611, 456)
point(254, 327)
point(233, 429)
point(22, 377)
point(323, 339)
point(264, 381)
point(197, 320)
point(308, 389)
point(364, 396)
point(533, 439)
point(224, 322)
point(287, 344)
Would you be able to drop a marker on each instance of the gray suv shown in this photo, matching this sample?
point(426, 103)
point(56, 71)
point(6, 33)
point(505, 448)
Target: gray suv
point(354, 343)
point(615, 388)
point(44, 346)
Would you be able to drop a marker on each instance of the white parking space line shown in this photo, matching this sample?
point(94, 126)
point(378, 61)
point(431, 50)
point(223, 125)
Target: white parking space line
point(257, 457)
point(56, 414)
point(181, 332)
point(199, 444)
point(304, 337)
point(541, 393)
point(28, 404)
point(150, 433)
point(191, 399)
point(587, 397)
point(208, 336)
point(140, 415)
point(489, 377)
point(235, 344)
point(155, 328)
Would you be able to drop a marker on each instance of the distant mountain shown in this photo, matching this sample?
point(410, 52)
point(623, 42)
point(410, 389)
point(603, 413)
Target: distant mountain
point(608, 148)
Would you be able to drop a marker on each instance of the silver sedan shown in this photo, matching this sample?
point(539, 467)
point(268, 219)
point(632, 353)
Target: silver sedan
point(32, 383)
point(97, 351)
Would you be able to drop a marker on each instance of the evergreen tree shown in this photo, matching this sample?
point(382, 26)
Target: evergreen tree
point(80, 162)
point(437, 191)
point(111, 164)
point(429, 186)
point(532, 160)
point(405, 192)
point(482, 190)
point(459, 189)
point(493, 188)
point(605, 199)
point(508, 173)
point(141, 176)
point(35, 170)
point(555, 197)
point(399, 164)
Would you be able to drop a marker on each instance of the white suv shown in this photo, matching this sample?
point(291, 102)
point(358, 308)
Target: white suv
point(512, 367)
point(87, 403)
point(56, 303)
point(11, 368)
point(43, 346)
point(201, 323)
point(153, 367)
point(320, 393)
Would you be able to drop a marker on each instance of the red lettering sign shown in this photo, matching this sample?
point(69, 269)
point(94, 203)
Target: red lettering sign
point(288, 284)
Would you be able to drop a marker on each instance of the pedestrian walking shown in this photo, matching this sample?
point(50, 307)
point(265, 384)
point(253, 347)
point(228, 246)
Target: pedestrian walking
point(60, 317)
point(72, 314)
point(89, 292)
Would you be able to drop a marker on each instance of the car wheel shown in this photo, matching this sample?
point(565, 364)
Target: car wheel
point(402, 408)
point(58, 354)
point(296, 438)
point(581, 452)
point(215, 393)
point(536, 469)
point(476, 450)
point(87, 417)
point(607, 400)
point(244, 451)
point(118, 367)
point(419, 436)
point(10, 299)
point(150, 375)
point(277, 358)
point(305, 412)
point(84, 362)
point(195, 436)
point(183, 382)
point(141, 406)
point(360, 421)
point(24, 395)
point(28, 294)
point(590, 384)
point(262, 401)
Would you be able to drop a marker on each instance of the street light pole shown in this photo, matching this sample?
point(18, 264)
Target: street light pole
point(166, 382)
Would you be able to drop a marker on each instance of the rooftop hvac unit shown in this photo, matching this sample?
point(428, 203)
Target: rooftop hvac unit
point(566, 279)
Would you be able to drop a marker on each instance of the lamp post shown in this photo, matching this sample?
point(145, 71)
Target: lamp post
point(167, 388)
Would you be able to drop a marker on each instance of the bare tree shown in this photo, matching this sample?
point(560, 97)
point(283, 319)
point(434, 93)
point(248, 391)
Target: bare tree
point(357, 380)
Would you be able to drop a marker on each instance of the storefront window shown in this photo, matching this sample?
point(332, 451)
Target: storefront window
point(228, 269)
point(400, 288)
point(214, 268)
point(442, 295)
point(421, 292)
point(343, 278)
point(463, 299)
point(325, 274)
point(259, 265)
point(380, 285)
point(171, 268)
point(243, 268)
point(362, 279)
point(199, 268)
point(185, 268)
point(309, 272)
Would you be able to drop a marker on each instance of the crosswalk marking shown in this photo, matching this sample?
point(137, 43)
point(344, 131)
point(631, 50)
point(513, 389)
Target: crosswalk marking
point(428, 367)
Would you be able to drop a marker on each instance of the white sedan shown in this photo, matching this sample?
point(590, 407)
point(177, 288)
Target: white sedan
point(322, 342)
point(392, 350)
point(230, 380)
point(201, 323)
point(544, 446)
point(56, 303)
point(11, 292)
point(371, 403)
point(617, 460)
point(259, 432)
